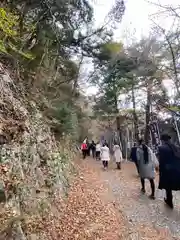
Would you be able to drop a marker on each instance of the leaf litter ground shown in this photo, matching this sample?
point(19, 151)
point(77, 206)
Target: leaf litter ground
point(107, 205)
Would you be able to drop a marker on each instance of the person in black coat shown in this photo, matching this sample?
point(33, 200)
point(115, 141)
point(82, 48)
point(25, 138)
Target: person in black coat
point(169, 168)
point(133, 156)
point(93, 149)
point(106, 143)
point(88, 147)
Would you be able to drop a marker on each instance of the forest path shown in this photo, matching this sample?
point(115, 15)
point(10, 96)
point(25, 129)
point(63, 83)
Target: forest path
point(108, 205)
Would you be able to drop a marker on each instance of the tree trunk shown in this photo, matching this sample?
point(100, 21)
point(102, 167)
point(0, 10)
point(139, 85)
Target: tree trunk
point(147, 133)
point(118, 123)
point(117, 113)
point(135, 118)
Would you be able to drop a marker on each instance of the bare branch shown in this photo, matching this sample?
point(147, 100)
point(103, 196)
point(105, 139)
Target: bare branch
point(176, 82)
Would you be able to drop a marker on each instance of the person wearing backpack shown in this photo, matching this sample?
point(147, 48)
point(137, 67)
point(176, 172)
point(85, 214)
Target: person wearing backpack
point(146, 166)
point(169, 168)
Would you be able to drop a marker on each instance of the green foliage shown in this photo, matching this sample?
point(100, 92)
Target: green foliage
point(131, 68)
point(109, 50)
point(71, 119)
point(117, 79)
point(10, 42)
point(8, 23)
point(8, 28)
point(2, 47)
point(174, 108)
point(27, 55)
point(65, 116)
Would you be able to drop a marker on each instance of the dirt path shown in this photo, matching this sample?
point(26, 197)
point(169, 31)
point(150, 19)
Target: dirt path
point(108, 205)
point(146, 218)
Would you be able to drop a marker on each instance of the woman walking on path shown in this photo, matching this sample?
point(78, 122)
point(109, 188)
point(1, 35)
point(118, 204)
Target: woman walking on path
point(117, 155)
point(145, 159)
point(169, 168)
point(105, 156)
point(93, 148)
point(84, 149)
point(98, 151)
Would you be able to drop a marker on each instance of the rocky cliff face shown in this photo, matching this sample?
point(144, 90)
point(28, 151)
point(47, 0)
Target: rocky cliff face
point(34, 167)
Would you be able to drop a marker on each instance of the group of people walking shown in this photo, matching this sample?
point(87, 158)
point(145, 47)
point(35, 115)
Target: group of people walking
point(167, 162)
point(101, 151)
point(93, 147)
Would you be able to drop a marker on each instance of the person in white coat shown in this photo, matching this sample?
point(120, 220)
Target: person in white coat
point(117, 155)
point(105, 156)
point(98, 151)
point(147, 163)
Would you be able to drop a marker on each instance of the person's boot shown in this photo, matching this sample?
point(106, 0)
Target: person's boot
point(169, 203)
point(152, 197)
point(143, 190)
point(107, 165)
point(104, 165)
point(143, 186)
point(119, 166)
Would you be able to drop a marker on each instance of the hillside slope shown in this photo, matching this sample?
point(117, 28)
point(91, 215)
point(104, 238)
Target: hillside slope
point(34, 167)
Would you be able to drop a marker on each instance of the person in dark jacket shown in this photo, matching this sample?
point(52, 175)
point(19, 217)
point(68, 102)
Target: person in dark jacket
point(88, 147)
point(93, 149)
point(133, 156)
point(169, 168)
point(105, 142)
